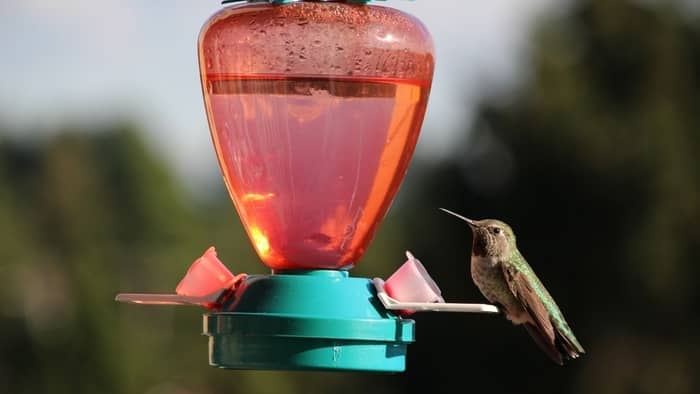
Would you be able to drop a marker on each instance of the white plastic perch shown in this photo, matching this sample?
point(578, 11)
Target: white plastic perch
point(169, 299)
point(392, 304)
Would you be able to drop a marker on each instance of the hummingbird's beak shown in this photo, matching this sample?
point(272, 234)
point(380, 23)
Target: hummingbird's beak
point(469, 221)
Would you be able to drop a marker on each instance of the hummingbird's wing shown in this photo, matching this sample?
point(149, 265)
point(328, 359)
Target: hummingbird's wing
point(540, 326)
point(547, 324)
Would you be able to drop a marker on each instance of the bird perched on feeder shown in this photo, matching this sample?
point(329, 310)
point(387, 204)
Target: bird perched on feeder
point(505, 278)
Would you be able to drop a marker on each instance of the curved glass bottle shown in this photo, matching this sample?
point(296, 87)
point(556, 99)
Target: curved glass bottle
point(314, 109)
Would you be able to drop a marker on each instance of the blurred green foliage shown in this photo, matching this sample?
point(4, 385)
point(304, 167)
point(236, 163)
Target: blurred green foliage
point(593, 161)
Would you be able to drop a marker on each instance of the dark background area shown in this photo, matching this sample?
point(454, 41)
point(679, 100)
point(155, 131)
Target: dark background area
point(593, 160)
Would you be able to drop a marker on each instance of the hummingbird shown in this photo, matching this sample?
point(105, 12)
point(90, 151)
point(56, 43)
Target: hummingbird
point(505, 278)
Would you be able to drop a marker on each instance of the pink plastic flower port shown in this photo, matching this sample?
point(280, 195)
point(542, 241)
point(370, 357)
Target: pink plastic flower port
point(207, 283)
point(412, 283)
point(205, 276)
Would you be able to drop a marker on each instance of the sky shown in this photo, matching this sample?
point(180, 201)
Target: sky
point(85, 61)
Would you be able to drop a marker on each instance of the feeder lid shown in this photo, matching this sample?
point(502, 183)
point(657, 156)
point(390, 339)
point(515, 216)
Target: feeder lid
point(312, 304)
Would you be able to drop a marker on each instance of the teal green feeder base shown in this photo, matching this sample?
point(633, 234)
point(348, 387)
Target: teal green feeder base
point(307, 320)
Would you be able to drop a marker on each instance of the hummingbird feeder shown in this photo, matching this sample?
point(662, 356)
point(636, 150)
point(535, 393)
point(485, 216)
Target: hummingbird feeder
point(314, 108)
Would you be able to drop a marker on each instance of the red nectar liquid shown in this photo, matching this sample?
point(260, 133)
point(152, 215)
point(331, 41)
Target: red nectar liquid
point(312, 164)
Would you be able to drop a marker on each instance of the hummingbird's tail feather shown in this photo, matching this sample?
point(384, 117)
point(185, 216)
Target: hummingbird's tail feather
point(543, 341)
point(563, 343)
point(567, 341)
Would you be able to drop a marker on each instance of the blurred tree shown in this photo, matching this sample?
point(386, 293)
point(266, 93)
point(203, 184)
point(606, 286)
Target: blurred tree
point(594, 161)
point(86, 212)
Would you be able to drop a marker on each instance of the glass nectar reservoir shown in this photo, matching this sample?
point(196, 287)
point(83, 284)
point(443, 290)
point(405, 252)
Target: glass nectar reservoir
point(314, 109)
